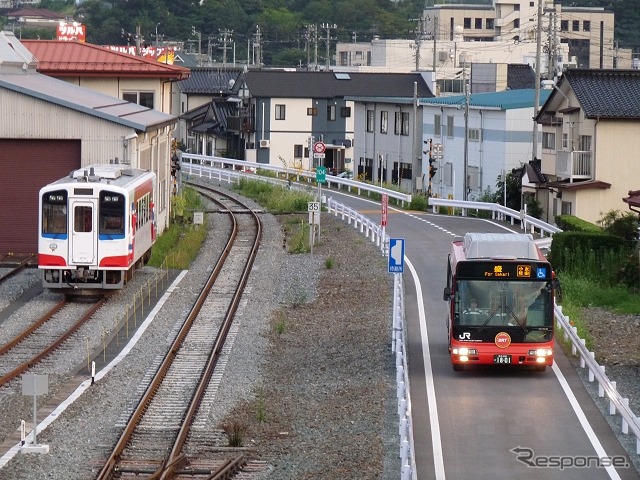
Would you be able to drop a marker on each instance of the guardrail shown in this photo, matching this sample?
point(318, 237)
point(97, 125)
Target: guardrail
point(205, 165)
point(597, 372)
point(378, 235)
point(499, 212)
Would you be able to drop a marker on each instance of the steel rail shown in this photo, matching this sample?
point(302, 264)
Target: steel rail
point(172, 462)
point(29, 363)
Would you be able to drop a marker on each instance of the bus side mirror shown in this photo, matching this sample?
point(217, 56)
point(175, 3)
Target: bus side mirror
point(446, 296)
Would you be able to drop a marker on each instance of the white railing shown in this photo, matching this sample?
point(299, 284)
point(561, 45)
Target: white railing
point(596, 372)
point(499, 212)
point(378, 235)
point(576, 165)
point(205, 165)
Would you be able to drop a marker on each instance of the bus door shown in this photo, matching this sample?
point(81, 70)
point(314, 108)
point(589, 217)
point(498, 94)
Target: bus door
point(82, 245)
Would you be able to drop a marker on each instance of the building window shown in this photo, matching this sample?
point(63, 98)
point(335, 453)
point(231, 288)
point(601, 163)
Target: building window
point(331, 113)
point(586, 25)
point(447, 174)
point(437, 125)
point(516, 23)
point(144, 99)
point(298, 151)
point(384, 121)
point(401, 123)
point(450, 127)
point(370, 120)
point(345, 112)
point(474, 134)
point(565, 208)
point(281, 111)
point(565, 141)
point(549, 140)
point(467, 22)
point(473, 179)
point(312, 112)
point(564, 25)
point(575, 25)
point(489, 25)
point(478, 24)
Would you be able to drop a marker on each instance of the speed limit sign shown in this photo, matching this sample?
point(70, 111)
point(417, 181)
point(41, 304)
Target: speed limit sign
point(319, 147)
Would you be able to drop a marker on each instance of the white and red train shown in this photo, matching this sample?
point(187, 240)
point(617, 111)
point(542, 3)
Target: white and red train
point(95, 226)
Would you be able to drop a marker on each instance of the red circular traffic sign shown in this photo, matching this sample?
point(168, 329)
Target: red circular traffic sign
point(319, 147)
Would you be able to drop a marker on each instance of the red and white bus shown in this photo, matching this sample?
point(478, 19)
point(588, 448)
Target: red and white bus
point(500, 289)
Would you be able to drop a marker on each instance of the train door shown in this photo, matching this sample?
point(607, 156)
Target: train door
point(82, 243)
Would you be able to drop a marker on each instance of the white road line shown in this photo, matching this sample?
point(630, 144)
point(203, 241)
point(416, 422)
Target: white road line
point(438, 460)
point(583, 420)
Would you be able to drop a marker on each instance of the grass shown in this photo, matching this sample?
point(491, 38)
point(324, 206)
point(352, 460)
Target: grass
point(580, 292)
point(181, 242)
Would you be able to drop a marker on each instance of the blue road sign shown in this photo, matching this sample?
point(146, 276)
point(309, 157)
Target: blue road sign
point(396, 255)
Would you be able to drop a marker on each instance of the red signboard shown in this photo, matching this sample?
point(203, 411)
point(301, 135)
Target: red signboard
point(385, 208)
point(71, 31)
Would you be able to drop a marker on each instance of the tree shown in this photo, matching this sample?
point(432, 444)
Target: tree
point(514, 187)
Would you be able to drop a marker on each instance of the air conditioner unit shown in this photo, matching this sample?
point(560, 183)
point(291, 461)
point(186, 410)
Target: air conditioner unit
point(265, 143)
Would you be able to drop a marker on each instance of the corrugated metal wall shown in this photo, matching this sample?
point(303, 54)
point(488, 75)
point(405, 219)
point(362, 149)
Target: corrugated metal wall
point(25, 167)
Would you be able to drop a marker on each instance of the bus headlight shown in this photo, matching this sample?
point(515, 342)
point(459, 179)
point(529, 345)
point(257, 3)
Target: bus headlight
point(464, 351)
point(541, 352)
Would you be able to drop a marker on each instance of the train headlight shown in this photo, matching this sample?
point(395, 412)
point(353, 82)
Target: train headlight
point(464, 358)
point(541, 359)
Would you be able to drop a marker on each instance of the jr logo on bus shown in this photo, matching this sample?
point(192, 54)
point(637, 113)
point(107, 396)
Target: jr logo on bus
point(503, 340)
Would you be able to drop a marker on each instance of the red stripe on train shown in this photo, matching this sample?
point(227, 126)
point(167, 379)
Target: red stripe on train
point(45, 260)
point(119, 261)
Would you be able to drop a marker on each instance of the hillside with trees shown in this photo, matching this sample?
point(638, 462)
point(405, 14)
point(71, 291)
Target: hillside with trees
point(283, 28)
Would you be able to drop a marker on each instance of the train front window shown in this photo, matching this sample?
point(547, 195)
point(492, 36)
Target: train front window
point(500, 303)
point(54, 213)
point(112, 213)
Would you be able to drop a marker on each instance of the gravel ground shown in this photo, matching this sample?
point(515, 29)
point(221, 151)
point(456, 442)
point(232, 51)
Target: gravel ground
point(310, 377)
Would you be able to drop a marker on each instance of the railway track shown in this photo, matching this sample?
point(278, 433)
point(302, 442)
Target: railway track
point(42, 337)
point(156, 438)
point(15, 264)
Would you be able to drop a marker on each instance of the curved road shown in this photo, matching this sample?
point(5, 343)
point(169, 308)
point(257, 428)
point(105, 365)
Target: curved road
point(488, 423)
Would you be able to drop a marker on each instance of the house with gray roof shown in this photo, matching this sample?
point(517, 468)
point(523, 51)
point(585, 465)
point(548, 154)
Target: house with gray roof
point(49, 127)
point(499, 134)
point(281, 114)
point(590, 142)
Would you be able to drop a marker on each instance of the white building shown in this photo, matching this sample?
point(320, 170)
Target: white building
point(500, 138)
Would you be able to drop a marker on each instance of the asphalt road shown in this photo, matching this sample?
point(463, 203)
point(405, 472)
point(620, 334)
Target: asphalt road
point(487, 423)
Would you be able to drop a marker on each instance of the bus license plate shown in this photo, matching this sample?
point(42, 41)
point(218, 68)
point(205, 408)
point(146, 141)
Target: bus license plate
point(502, 359)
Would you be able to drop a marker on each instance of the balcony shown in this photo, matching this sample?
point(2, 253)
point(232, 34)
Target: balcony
point(240, 124)
point(576, 165)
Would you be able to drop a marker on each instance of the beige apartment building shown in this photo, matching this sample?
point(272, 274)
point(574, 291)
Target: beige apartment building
point(587, 31)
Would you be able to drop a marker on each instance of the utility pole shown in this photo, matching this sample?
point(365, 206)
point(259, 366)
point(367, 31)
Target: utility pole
point(226, 35)
point(536, 101)
point(435, 36)
point(419, 37)
point(199, 35)
point(465, 180)
point(257, 44)
point(328, 41)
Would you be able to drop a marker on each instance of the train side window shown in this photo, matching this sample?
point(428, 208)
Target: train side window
point(83, 219)
point(54, 213)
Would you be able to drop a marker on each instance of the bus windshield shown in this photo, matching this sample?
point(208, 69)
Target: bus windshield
point(516, 304)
